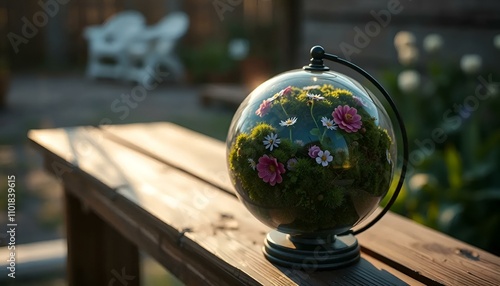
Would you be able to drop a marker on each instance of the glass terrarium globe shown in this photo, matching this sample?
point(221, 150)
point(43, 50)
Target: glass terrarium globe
point(311, 152)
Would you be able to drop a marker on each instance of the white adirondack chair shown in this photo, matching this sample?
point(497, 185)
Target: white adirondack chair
point(152, 53)
point(107, 53)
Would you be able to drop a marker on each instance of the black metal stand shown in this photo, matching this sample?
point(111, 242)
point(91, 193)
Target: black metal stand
point(311, 252)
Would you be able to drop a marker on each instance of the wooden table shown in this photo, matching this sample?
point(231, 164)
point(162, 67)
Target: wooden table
point(164, 190)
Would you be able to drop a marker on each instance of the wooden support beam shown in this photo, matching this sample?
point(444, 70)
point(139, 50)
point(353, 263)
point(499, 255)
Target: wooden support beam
point(97, 253)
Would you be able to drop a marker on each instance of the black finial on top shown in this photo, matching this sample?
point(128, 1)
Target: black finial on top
point(317, 52)
point(317, 55)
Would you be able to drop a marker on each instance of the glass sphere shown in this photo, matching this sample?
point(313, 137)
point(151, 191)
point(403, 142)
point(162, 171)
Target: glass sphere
point(311, 152)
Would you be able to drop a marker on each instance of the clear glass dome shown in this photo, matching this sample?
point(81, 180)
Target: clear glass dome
point(311, 152)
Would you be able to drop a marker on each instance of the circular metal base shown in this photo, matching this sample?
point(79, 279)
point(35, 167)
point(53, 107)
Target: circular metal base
point(311, 252)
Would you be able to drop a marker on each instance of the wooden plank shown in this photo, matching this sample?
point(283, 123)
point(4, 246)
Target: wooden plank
point(205, 230)
point(195, 153)
point(79, 151)
point(208, 228)
point(424, 254)
point(178, 208)
point(135, 224)
point(97, 255)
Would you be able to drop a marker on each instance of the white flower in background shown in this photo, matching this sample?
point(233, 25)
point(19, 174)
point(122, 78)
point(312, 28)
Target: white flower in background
point(496, 41)
point(493, 89)
point(449, 213)
point(408, 56)
point(409, 81)
point(471, 64)
point(433, 43)
point(404, 39)
point(417, 181)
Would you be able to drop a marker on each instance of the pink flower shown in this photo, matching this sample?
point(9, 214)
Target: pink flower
point(359, 101)
point(313, 151)
point(291, 163)
point(264, 108)
point(270, 170)
point(286, 91)
point(347, 118)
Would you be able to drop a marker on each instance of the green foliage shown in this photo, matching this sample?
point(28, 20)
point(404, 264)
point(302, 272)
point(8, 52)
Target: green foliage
point(312, 197)
point(454, 134)
point(210, 59)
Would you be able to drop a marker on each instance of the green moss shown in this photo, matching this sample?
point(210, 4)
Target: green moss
point(261, 130)
point(313, 197)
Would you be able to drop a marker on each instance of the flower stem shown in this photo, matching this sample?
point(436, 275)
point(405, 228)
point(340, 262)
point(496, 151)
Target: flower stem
point(290, 134)
point(323, 136)
point(316, 123)
point(282, 107)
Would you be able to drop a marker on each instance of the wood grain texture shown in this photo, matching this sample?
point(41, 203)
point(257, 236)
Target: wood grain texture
point(206, 232)
point(248, 232)
point(190, 151)
point(153, 198)
point(418, 251)
point(429, 256)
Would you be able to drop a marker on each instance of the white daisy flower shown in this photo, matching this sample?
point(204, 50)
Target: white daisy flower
point(328, 123)
point(271, 141)
point(300, 143)
point(289, 122)
point(316, 97)
point(309, 87)
point(324, 158)
point(252, 163)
